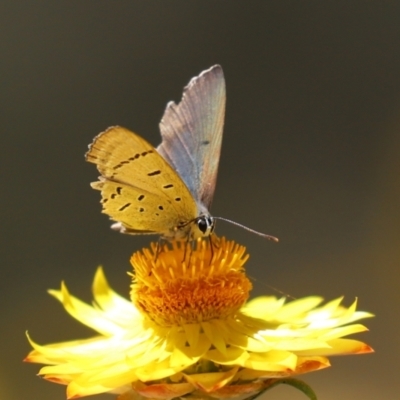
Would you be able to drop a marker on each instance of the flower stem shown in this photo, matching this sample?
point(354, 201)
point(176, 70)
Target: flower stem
point(296, 383)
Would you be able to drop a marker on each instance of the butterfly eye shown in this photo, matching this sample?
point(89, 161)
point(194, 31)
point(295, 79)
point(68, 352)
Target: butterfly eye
point(205, 224)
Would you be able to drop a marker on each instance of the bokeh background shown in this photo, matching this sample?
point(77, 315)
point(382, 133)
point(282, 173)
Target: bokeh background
point(311, 154)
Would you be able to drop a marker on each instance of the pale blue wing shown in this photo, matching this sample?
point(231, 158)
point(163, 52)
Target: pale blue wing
point(192, 133)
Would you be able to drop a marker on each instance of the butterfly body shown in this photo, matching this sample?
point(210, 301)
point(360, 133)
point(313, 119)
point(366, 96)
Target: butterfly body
point(168, 190)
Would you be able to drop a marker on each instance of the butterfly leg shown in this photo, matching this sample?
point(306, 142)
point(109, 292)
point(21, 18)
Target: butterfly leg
point(187, 244)
point(158, 248)
point(212, 249)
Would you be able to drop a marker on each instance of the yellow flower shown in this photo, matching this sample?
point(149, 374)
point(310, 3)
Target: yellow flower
point(188, 330)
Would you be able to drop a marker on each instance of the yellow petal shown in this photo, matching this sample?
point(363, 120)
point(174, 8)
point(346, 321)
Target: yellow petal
point(84, 313)
point(118, 309)
point(297, 307)
point(163, 390)
point(192, 333)
point(341, 347)
point(210, 382)
point(272, 361)
point(233, 391)
point(214, 336)
point(233, 356)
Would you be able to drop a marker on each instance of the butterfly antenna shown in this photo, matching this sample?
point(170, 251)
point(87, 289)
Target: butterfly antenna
point(275, 289)
point(264, 235)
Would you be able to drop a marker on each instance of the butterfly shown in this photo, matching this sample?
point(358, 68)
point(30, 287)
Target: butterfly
point(167, 190)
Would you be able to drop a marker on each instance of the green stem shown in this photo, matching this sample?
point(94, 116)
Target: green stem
point(296, 383)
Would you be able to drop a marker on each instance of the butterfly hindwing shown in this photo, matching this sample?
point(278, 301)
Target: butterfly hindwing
point(137, 209)
point(139, 188)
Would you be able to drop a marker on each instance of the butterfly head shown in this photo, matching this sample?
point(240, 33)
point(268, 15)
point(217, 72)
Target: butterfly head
point(201, 226)
point(205, 225)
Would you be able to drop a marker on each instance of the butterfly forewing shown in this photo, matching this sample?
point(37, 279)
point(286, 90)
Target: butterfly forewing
point(139, 188)
point(192, 133)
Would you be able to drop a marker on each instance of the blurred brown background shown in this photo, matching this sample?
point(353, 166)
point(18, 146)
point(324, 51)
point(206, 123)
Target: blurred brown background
point(310, 154)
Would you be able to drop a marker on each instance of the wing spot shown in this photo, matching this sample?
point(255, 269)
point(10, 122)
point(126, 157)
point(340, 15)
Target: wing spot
point(157, 214)
point(158, 172)
point(178, 199)
point(160, 207)
point(135, 157)
point(121, 164)
point(141, 209)
point(119, 189)
point(141, 197)
point(205, 142)
point(113, 196)
point(124, 206)
point(168, 186)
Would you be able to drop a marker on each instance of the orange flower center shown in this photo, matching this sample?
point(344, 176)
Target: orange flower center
point(183, 284)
